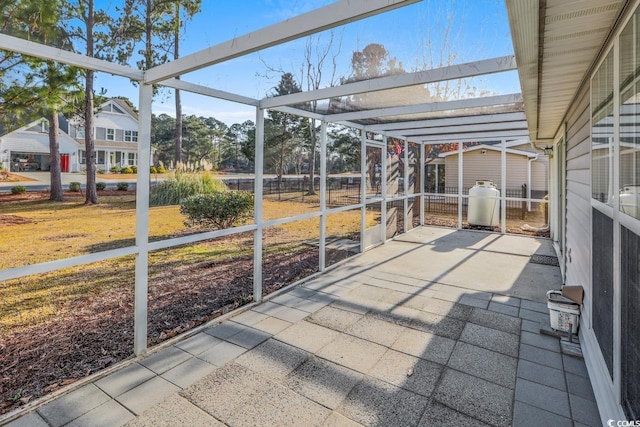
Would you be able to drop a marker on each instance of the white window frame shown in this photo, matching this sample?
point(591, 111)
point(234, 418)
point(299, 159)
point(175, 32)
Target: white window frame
point(110, 134)
point(131, 135)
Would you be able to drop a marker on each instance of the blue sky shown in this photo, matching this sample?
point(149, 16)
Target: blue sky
point(478, 30)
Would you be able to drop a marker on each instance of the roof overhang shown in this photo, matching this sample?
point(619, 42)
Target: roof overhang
point(556, 43)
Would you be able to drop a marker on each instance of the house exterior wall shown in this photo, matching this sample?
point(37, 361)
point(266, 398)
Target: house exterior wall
point(596, 255)
point(578, 202)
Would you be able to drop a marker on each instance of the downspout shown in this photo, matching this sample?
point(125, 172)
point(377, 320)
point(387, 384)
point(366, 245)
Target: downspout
point(529, 182)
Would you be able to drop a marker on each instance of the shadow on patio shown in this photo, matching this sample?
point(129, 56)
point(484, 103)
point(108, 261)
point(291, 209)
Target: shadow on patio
point(438, 327)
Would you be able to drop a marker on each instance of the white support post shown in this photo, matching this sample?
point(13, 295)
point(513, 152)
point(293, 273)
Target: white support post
point(529, 183)
point(257, 192)
point(323, 194)
point(363, 189)
point(503, 187)
point(421, 183)
point(406, 187)
point(383, 190)
point(460, 183)
point(142, 222)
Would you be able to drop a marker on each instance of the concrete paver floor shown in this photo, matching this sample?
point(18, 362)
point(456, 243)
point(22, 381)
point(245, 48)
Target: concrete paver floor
point(438, 327)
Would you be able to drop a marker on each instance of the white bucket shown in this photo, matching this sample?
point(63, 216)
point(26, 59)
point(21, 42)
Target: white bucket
point(562, 312)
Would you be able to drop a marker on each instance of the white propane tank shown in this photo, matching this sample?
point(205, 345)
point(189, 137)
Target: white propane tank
point(630, 200)
point(484, 204)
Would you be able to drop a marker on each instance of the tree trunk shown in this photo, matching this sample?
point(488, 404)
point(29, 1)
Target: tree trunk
point(91, 191)
point(54, 151)
point(312, 160)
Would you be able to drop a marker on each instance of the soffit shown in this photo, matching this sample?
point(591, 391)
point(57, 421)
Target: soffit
point(555, 43)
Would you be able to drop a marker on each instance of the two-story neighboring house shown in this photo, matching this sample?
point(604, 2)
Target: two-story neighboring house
point(115, 140)
point(115, 135)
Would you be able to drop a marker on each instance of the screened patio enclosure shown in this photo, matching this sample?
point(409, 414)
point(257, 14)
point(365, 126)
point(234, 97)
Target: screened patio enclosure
point(402, 128)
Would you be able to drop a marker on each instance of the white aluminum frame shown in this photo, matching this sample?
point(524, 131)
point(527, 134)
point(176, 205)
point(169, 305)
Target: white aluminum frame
point(321, 19)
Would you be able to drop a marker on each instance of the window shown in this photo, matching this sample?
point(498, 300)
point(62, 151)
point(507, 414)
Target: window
point(132, 159)
point(101, 133)
point(630, 118)
point(602, 143)
point(131, 135)
point(111, 135)
point(117, 110)
point(79, 132)
point(100, 158)
point(83, 157)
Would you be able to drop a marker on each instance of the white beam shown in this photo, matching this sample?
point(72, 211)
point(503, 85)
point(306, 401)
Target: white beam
point(460, 129)
point(38, 50)
point(470, 136)
point(207, 91)
point(470, 69)
point(301, 113)
point(486, 101)
point(449, 121)
point(321, 19)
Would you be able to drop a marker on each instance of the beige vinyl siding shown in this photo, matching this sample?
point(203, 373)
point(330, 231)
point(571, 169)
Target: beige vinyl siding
point(578, 214)
point(540, 174)
point(478, 166)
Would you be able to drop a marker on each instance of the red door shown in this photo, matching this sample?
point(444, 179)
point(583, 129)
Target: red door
point(64, 162)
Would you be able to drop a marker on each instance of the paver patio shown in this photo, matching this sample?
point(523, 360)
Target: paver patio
point(438, 327)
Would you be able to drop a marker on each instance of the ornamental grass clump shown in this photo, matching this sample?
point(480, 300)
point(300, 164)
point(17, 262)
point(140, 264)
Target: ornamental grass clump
point(217, 210)
point(179, 186)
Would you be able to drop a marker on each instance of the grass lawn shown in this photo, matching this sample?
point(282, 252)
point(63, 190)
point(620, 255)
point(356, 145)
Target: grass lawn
point(67, 229)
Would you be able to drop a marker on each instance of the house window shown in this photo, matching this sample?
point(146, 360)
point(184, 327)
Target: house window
point(111, 134)
point(630, 118)
point(100, 158)
point(602, 143)
point(80, 132)
point(83, 157)
point(101, 134)
point(131, 135)
point(132, 159)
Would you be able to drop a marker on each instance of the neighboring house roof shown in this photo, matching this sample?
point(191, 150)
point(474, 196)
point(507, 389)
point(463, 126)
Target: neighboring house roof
point(492, 148)
point(123, 105)
point(36, 141)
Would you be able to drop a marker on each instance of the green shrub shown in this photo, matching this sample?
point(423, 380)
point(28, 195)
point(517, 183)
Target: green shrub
point(153, 169)
point(114, 169)
point(18, 189)
point(100, 186)
point(217, 210)
point(122, 186)
point(74, 186)
point(126, 170)
point(178, 187)
point(100, 171)
point(161, 169)
point(134, 169)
